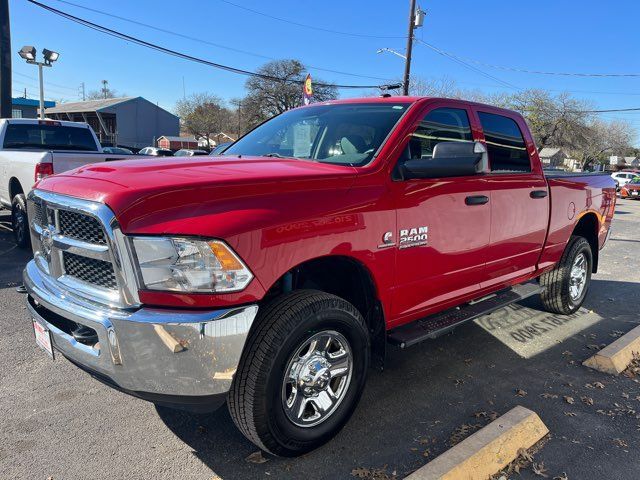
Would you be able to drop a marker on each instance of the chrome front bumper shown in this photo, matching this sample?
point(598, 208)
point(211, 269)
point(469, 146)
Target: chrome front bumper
point(178, 355)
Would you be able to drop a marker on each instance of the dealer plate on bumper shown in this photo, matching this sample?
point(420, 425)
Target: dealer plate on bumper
point(43, 337)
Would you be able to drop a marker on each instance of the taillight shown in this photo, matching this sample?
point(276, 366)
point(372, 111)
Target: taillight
point(43, 170)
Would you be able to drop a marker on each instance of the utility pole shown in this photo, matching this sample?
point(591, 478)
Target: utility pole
point(407, 62)
point(105, 89)
point(84, 97)
point(5, 60)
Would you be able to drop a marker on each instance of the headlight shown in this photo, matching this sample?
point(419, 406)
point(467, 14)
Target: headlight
point(187, 265)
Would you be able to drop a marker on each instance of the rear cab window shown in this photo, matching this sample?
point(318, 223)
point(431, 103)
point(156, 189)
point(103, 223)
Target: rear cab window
point(44, 136)
point(506, 146)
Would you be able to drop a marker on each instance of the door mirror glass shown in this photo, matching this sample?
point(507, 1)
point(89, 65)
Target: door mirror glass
point(450, 159)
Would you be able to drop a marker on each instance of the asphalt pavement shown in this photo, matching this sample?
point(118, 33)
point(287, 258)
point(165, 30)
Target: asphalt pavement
point(57, 422)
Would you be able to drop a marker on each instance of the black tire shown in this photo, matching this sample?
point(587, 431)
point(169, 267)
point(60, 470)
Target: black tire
point(256, 397)
point(20, 221)
point(557, 296)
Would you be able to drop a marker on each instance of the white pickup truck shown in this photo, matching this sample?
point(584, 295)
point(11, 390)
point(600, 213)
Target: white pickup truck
point(32, 149)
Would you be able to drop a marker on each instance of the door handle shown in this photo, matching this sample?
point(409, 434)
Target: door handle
point(538, 194)
point(476, 200)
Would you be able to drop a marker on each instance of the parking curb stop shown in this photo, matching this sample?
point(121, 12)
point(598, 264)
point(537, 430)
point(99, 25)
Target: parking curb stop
point(488, 450)
point(616, 357)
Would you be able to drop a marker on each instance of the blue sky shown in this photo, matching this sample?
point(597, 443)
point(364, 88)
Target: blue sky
point(586, 36)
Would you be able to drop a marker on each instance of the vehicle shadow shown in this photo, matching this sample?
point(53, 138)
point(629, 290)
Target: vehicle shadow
point(425, 392)
point(12, 258)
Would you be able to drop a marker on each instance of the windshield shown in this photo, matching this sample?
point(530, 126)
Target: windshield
point(635, 181)
point(48, 137)
point(342, 134)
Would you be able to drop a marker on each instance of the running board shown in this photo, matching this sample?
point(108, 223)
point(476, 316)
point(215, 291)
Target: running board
point(441, 323)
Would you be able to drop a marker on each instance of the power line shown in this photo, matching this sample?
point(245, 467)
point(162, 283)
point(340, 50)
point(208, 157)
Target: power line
point(304, 25)
point(175, 53)
point(207, 42)
point(540, 72)
point(465, 64)
point(46, 83)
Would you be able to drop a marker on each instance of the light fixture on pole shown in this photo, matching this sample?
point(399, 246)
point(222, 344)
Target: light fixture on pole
point(391, 50)
point(29, 54)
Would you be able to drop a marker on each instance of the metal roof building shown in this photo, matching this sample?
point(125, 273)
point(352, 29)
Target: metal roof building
point(132, 122)
point(27, 107)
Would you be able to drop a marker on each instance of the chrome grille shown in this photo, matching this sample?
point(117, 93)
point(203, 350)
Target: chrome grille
point(40, 214)
point(78, 243)
point(90, 270)
point(81, 227)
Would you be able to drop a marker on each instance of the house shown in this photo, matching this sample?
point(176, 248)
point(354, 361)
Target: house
point(572, 164)
point(131, 122)
point(176, 143)
point(552, 157)
point(27, 107)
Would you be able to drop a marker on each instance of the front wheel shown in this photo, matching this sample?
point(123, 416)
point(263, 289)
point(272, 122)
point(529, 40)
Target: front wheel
point(19, 221)
point(301, 374)
point(567, 284)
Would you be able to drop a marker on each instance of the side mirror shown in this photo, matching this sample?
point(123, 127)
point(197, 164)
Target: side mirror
point(450, 159)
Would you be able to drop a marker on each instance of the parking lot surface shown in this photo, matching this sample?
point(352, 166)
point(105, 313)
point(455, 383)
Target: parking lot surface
point(56, 421)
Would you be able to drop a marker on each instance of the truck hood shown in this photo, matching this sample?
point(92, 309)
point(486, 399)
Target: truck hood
point(156, 195)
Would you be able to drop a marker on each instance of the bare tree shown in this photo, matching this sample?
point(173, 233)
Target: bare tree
point(267, 98)
point(204, 115)
point(605, 138)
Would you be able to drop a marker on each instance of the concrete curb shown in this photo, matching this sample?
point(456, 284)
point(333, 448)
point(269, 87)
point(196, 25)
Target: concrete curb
point(616, 357)
point(487, 451)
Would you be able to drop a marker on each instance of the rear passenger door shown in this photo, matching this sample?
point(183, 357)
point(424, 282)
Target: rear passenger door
point(519, 198)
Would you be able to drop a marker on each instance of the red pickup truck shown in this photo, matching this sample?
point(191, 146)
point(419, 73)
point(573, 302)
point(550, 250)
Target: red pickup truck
point(274, 275)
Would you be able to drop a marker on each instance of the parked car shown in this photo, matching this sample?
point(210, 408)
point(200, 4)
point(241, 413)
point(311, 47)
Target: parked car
point(622, 178)
point(631, 189)
point(273, 277)
point(32, 149)
point(117, 150)
point(156, 152)
point(218, 149)
point(187, 152)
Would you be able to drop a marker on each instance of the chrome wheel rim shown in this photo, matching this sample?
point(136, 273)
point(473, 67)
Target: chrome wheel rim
point(19, 224)
point(578, 280)
point(317, 378)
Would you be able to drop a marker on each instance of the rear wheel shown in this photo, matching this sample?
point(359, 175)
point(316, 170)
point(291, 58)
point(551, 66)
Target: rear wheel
point(567, 284)
point(302, 372)
point(19, 221)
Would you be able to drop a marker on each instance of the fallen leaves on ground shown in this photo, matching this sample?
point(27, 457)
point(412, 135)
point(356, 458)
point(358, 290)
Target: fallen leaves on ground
point(618, 442)
point(256, 457)
point(549, 395)
point(521, 393)
point(569, 400)
point(538, 469)
point(563, 476)
point(462, 432)
point(587, 400)
point(633, 370)
point(373, 473)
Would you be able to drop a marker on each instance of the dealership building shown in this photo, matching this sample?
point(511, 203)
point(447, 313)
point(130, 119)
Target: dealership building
point(131, 122)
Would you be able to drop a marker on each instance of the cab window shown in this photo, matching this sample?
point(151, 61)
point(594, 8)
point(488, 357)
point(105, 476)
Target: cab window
point(439, 125)
point(505, 144)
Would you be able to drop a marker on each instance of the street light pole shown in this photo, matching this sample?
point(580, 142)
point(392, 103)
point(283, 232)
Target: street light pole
point(41, 91)
point(29, 54)
point(407, 63)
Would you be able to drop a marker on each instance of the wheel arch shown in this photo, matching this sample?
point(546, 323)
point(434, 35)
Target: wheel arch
point(347, 278)
point(15, 188)
point(588, 227)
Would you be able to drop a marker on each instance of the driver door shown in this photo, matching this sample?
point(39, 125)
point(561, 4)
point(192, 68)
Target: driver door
point(443, 223)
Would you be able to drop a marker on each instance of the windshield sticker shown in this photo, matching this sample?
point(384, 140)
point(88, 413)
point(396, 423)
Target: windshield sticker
point(302, 140)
